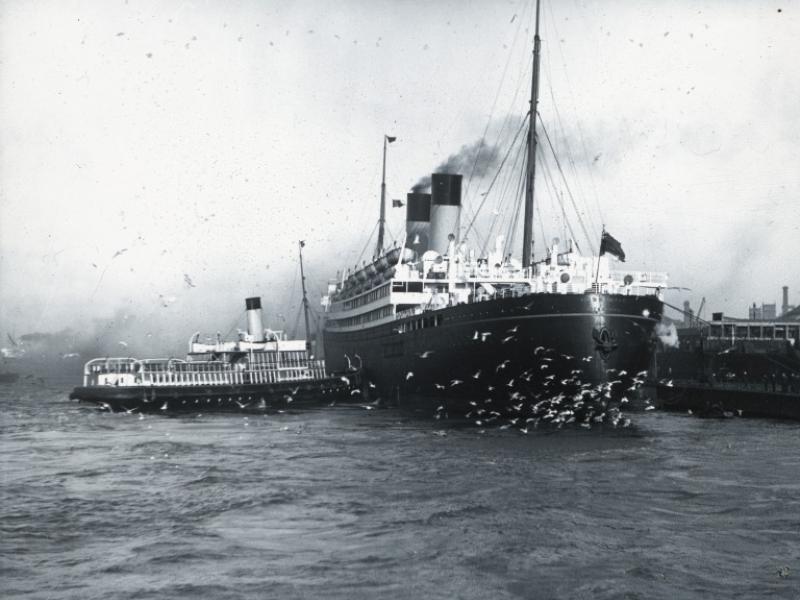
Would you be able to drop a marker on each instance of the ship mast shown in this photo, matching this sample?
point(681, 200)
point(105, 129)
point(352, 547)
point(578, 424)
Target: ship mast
point(301, 243)
point(387, 139)
point(527, 232)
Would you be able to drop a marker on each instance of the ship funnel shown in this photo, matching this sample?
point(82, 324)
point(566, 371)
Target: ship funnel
point(445, 210)
point(785, 306)
point(418, 221)
point(255, 327)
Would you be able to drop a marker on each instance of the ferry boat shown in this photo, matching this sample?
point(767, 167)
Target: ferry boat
point(491, 336)
point(260, 371)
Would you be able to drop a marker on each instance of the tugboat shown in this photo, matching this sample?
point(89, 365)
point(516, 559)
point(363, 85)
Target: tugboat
point(260, 371)
point(435, 323)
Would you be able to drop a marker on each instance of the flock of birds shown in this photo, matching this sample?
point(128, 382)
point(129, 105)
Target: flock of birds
point(552, 391)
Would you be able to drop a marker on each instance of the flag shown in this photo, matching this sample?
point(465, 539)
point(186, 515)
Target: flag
point(302, 244)
point(397, 204)
point(612, 246)
point(390, 138)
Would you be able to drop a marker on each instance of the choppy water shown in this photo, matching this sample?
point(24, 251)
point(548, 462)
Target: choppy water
point(348, 503)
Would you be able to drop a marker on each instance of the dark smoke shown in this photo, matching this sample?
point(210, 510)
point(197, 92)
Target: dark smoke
point(471, 160)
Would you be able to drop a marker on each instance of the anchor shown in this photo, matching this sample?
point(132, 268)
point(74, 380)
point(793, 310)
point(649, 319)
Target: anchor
point(606, 342)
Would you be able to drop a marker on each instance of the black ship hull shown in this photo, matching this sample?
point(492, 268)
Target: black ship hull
point(505, 350)
point(247, 398)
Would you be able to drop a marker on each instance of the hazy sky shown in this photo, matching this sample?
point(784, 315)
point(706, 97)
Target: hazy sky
point(203, 139)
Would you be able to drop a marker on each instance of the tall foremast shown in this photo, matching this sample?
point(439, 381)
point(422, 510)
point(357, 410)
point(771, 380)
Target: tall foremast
point(527, 232)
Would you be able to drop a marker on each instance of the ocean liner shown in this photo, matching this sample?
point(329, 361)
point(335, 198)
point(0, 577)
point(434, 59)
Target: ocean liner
point(431, 321)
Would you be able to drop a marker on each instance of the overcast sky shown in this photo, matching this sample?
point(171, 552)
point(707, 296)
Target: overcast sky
point(198, 141)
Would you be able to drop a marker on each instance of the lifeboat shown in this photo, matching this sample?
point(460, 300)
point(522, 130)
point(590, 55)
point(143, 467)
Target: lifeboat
point(392, 256)
point(382, 263)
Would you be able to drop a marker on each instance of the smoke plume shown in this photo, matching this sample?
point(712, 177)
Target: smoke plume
point(668, 335)
point(471, 160)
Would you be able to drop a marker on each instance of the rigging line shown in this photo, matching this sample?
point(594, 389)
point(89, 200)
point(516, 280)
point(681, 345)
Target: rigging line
point(514, 197)
point(500, 135)
point(494, 179)
point(500, 183)
point(549, 184)
point(398, 236)
point(505, 197)
point(296, 322)
point(507, 209)
point(496, 99)
point(581, 136)
point(538, 205)
point(235, 323)
point(566, 185)
point(508, 119)
point(549, 176)
point(590, 170)
point(541, 223)
point(570, 158)
point(360, 256)
point(513, 228)
point(293, 290)
point(559, 124)
point(478, 236)
point(508, 197)
point(550, 180)
point(549, 173)
point(510, 113)
point(458, 117)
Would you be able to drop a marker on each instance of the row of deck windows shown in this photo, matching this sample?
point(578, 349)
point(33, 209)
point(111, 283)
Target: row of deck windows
point(373, 315)
point(755, 332)
point(421, 323)
point(380, 292)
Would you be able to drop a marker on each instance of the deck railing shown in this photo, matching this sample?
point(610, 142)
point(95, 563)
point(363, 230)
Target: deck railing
point(132, 372)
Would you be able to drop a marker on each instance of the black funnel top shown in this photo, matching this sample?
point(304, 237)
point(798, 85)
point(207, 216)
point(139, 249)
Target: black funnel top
point(252, 303)
point(446, 189)
point(418, 207)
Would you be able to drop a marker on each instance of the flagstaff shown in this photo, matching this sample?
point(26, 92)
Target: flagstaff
point(301, 243)
point(387, 139)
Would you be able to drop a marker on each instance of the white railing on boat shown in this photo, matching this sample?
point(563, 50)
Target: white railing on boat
point(174, 372)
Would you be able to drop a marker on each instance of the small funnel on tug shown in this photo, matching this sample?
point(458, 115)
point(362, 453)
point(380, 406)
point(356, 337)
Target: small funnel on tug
point(445, 210)
point(255, 327)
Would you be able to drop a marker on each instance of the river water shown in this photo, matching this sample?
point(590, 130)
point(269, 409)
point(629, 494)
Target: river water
point(350, 503)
